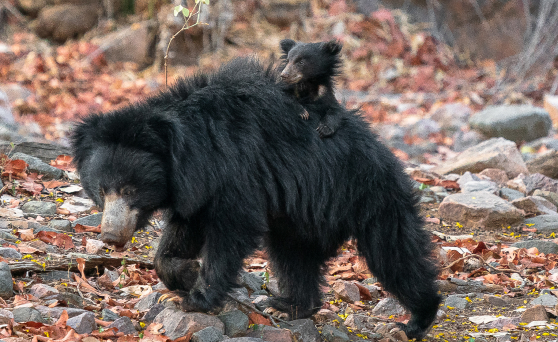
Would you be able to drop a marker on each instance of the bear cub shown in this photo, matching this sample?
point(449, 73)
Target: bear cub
point(307, 73)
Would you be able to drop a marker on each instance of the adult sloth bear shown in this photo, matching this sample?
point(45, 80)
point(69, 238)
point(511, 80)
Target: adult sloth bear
point(235, 166)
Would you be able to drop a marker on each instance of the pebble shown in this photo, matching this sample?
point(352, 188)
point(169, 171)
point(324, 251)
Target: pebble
point(510, 194)
point(547, 300)
point(332, 334)
point(109, 315)
point(477, 186)
point(123, 324)
point(550, 196)
point(268, 333)
point(10, 253)
point(93, 246)
point(63, 225)
point(153, 312)
point(147, 302)
point(457, 301)
point(303, 330)
point(43, 290)
point(251, 281)
point(39, 208)
point(84, 323)
point(26, 314)
point(387, 307)
point(178, 323)
point(536, 313)
point(91, 220)
point(209, 334)
point(236, 323)
point(6, 285)
point(545, 163)
point(535, 205)
point(346, 291)
point(543, 223)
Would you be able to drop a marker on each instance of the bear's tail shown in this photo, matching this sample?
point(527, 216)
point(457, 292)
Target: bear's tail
point(399, 253)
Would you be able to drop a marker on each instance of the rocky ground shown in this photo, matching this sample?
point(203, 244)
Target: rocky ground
point(482, 152)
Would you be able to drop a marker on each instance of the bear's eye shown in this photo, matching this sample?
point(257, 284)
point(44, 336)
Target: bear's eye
point(301, 62)
point(127, 192)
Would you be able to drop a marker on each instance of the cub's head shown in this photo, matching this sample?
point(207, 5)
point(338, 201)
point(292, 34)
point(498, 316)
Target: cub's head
point(310, 62)
point(123, 168)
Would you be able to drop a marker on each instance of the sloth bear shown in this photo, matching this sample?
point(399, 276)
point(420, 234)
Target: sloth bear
point(307, 72)
point(228, 157)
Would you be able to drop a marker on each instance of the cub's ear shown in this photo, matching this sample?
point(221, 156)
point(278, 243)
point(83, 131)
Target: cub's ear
point(287, 45)
point(333, 47)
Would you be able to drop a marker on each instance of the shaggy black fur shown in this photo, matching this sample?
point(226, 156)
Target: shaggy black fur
point(308, 71)
point(229, 157)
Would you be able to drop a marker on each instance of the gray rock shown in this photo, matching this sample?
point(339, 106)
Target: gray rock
point(54, 313)
point(10, 253)
point(132, 44)
point(262, 302)
point(550, 196)
point(148, 301)
point(6, 285)
point(38, 166)
point(387, 307)
point(273, 287)
point(91, 220)
point(177, 323)
point(548, 142)
point(543, 223)
point(479, 209)
point(547, 300)
point(246, 339)
point(209, 334)
point(153, 312)
point(7, 236)
point(303, 330)
point(43, 229)
point(63, 225)
point(109, 315)
point(546, 247)
point(493, 153)
point(466, 178)
point(236, 323)
point(537, 181)
point(123, 324)
point(43, 290)
point(268, 333)
point(346, 291)
point(73, 300)
point(84, 323)
point(39, 208)
point(545, 163)
point(27, 314)
point(5, 316)
point(45, 152)
point(252, 281)
point(496, 301)
point(535, 205)
point(331, 334)
point(456, 301)
point(424, 128)
point(57, 275)
point(515, 122)
point(477, 186)
point(510, 194)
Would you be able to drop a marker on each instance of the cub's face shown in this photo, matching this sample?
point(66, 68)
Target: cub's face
point(308, 61)
point(128, 184)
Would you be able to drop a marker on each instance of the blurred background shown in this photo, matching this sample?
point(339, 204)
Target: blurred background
point(418, 69)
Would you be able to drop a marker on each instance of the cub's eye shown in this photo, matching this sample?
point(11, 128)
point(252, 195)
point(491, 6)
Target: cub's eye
point(301, 62)
point(127, 192)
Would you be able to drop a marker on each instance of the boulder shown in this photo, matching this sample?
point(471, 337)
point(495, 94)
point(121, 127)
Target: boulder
point(68, 21)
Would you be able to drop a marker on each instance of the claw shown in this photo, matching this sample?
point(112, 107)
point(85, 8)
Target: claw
point(276, 313)
point(305, 115)
point(169, 297)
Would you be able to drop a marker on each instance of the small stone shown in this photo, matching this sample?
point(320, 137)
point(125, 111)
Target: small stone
point(273, 287)
point(57, 275)
point(84, 323)
point(209, 334)
point(77, 204)
point(10, 253)
point(451, 116)
point(325, 315)
point(546, 247)
point(244, 339)
point(303, 330)
point(177, 323)
point(27, 314)
point(251, 281)
point(477, 186)
point(387, 307)
point(355, 322)
point(63, 225)
point(400, 336)
point(480, 209)
point(536, 313)
point(535, 205)
point(545, 163)
point(5, 316)
point(91, 220)
point(496, 301)
point(38, 166)
point(510, 194)
point(496, 175)
point(109, 315)
point(466, 178)
point(346, 291)
point(457, 301)
point(270, 334)
point(547, 300)
point(39, 208)
point(124, 325)
point(93, 246)
point(148, 301)
point(54, 313)
point(42, 290)
point(536, 181)
point(331, 334)
point(262, 302)
point(550, 196)
point(236, 323)
point(543, 223)
point(153, 312)
point(6, 284)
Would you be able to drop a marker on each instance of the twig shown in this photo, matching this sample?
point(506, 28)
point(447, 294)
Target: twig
point(253, 308)
point(481, 259)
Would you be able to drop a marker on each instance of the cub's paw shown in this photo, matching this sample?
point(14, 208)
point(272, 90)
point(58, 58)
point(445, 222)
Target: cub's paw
point(324, 131)
point(195, 301)
point(305, 115)
point(276, 313)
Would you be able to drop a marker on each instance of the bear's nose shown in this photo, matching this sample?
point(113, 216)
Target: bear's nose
point(284, 75)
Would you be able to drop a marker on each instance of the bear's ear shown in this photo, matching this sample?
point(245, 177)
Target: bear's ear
point(287, 45)
point(333, 47)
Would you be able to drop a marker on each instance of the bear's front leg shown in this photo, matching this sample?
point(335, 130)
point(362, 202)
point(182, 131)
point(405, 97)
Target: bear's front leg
point(231, 234)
